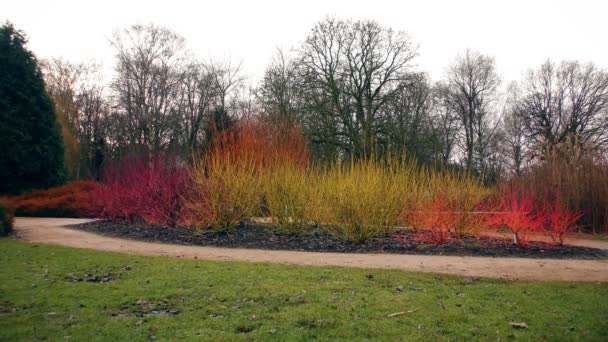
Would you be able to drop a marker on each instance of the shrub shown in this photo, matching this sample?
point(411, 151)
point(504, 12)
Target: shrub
point(287, 197)
point(516, 213)
point(266, 146)
point(434, 219)
point(559, 220)
point(230, 180)
point(360, 200)
point(6, 219)
point(74, 199)
point(224, 192)
point(463, 193)
point(144, 188)
point(576, 172)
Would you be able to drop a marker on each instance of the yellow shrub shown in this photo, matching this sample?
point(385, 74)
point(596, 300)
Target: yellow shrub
point(359, 200)
point(225, 192)
point(286, 191)
point(353, 201)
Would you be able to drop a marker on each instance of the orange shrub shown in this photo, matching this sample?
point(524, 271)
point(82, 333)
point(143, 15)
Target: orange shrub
point(264, 145)
point(74, 199)
point(228, 180)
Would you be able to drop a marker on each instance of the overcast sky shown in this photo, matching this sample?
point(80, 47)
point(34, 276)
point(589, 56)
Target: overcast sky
point(519, 34)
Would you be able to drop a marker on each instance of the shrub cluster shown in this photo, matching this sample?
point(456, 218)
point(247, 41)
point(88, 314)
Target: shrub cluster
point(289, 196)
point(576, 174)
point(515, 210)
point(253, 170)
point(148, 188)
point(360, 200)
point(228, 182)
point(6, 219)
point(440, 217)
point(517, 213)
point(74, 199)
point(434, 219)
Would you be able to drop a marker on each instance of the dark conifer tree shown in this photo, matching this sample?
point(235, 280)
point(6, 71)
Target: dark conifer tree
point(31, 148)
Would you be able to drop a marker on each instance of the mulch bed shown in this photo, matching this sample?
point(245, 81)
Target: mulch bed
point(317, 240)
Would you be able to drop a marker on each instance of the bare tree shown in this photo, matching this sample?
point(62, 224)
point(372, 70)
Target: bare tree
point(61, 78)
point(472, 81)
point(407, 117)
point(280, 91)
point(148, 75)
point(196, 99)
point(81, 102)
point(246, 105)
point(352, 69)
point(228, 82)
point(94, 108)
point(446, 125)
point(513, 127)
point(565, 101)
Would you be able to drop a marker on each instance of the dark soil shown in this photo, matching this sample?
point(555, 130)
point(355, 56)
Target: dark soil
point(317, 240)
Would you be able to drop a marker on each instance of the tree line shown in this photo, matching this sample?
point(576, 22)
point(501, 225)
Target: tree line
point(351, 86)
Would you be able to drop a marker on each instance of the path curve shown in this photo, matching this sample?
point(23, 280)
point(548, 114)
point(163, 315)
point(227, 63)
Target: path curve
point(52, 231)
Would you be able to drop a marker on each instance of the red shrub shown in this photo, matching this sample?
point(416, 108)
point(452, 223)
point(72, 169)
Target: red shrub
point(148, 189)
point(516, 213)
point(74, 199)
point(559, 220)
point(434, 219)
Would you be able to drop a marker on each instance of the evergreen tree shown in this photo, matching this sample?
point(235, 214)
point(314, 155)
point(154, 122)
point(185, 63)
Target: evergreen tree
point(31, 148)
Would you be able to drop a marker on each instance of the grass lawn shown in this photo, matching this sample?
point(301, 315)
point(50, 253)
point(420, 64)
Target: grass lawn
point(40, 298)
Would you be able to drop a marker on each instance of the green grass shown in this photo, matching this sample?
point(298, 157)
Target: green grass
point(244, 301)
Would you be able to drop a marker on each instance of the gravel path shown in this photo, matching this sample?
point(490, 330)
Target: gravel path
point(52, 231)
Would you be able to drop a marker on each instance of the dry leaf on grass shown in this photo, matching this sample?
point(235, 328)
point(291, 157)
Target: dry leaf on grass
point(395, 314)
point(521, 325)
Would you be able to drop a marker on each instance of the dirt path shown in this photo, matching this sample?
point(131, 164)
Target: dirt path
point(51, 231)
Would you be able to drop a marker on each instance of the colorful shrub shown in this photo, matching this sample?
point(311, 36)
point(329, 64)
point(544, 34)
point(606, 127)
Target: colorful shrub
point(228, 181)
point(74, 199)
point(517, 213)
point(224, 192)
point(434, 219)
point(577, 173)
point(149, 189)
point(359, 200)
point(265, 146)
point(287, 197)
point(559, 220)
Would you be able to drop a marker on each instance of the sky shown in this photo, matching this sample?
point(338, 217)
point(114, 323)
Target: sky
point(519, 34)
